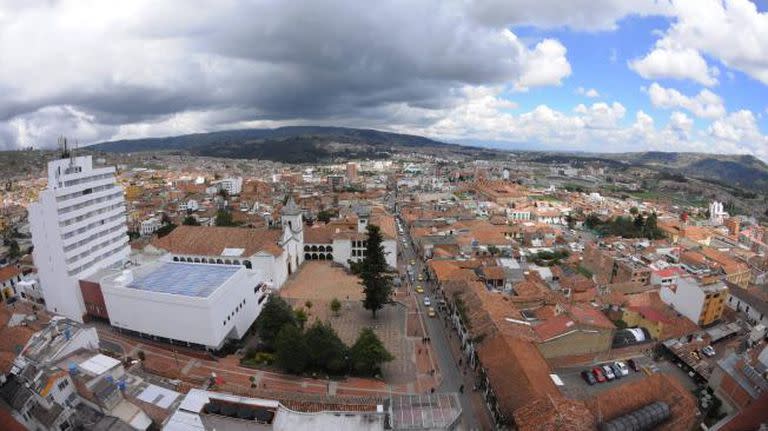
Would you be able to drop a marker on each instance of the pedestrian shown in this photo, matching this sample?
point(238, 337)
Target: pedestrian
point(461, 389)
point(432, 390)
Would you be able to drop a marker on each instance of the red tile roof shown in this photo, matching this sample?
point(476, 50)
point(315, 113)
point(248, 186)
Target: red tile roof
point(212, 240)
point(8, 272)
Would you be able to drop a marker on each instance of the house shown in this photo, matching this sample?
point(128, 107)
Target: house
point(701, 303)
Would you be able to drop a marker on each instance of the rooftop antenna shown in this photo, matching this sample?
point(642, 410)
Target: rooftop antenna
point(63, 147)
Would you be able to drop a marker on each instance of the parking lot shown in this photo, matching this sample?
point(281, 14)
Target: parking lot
point(575, 387)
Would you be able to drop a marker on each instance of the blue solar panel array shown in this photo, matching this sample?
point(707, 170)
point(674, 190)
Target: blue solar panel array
point(187, 279)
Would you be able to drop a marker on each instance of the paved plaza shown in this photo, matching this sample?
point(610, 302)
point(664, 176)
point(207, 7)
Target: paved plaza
point(322, 280)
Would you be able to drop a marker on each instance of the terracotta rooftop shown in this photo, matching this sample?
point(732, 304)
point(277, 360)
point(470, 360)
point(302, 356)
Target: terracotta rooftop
point(212, 240)
point(8, 272)
point(518, 372)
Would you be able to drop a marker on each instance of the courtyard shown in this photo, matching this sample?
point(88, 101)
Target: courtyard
point(319, 283)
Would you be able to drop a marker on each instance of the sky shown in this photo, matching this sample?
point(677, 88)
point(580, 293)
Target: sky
point(576, 75)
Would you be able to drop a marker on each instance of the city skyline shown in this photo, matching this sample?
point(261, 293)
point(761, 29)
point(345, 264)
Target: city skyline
point(585, 76)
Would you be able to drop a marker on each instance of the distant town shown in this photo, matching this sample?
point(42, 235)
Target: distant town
point(417, 291)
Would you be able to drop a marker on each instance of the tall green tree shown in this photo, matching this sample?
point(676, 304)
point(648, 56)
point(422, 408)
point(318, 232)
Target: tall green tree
point(13, 249)
point(291, 351)
point(190, 221)
point(326, 350)
point(374, 273)
point(368, 354)
point(224, 218)
point(275, 314)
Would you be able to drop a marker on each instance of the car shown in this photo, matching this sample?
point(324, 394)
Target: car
point(413, 262)
point(599, 375)
point(608, 371)
point(616, 370)
point(632, 364)
point(588, 377)
point(427, 301)
point(708, 351)
point(431, 312)
point(419, 289)
point(420, 277)
point(622, 368)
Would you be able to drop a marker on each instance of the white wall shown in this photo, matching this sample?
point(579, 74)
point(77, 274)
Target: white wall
point(205, 321)
point(687, 300)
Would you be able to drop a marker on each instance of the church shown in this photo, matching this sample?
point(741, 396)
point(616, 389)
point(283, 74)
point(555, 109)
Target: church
point(276, 253)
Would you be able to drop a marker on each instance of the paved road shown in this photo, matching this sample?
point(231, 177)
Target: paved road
point(436, 330)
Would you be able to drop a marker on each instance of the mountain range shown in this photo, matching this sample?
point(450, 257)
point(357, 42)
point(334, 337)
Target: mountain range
point(308, 144)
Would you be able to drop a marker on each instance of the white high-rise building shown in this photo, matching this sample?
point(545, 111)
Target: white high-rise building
point(78, 227)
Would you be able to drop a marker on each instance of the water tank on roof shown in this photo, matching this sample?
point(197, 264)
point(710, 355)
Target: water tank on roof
point(644, 419)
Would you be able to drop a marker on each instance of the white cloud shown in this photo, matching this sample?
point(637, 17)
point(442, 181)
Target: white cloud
point(545, 65)
point(591, 93)
point(731, 31)
point(706, 104)
point(675, 63)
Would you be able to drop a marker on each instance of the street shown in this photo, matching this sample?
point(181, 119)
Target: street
point(475, 414)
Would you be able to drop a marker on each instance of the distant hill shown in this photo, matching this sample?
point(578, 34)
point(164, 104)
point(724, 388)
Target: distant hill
point(735, 171)
point(286, 144)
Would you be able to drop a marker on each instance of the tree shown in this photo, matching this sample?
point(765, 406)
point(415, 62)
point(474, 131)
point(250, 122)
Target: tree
point(335, 306)
point(301, 317)
point(275, 314)
point(291, 349)
point(190, 221)
point(308, 304)
point(368, 353)
point(165, 230)
point(376, 281)
point(493, 250)
point(224, 218)
point(326, 350)
point(634, 211)
point(325, 215)
point(13, 249)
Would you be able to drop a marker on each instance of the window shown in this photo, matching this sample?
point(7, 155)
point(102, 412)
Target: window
point(224, 323)
point(263, 297)
point(63, 385)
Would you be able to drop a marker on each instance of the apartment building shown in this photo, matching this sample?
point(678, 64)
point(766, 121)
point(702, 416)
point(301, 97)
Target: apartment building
point(700, 303)
point(78, 227)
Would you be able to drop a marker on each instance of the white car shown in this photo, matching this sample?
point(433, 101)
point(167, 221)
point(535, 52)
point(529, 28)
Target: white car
point(622, 367)
point(427, 301)
point(708, 351)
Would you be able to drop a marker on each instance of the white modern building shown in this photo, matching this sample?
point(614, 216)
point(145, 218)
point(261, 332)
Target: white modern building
point(233, 186)
point(78, 227)
point(195, 304)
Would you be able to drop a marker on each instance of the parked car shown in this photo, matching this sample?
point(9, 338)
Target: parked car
point(623, 369)
point(431, 312)
point(419, 289)
point(616, 370)
point(599, 375)
point(608, 371)
point(588, 377)
point(709, 351)
point(632, 364)
point(427, 301)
